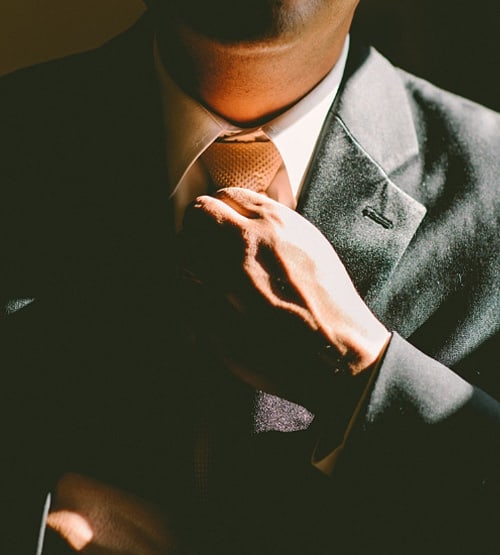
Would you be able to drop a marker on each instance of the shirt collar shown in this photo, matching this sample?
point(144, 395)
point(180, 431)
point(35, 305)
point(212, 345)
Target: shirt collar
point(190, 127)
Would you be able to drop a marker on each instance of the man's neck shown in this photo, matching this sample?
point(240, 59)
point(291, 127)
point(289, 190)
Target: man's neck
point(251, 83)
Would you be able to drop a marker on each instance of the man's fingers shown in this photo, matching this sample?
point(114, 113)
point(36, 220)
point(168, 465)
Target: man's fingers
point(241, 202)
point(219, 210)
point(73, 527)
point(247, 203)
point(102, 519)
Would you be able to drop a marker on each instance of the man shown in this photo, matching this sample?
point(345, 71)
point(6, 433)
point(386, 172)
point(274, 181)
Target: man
point(163, 383)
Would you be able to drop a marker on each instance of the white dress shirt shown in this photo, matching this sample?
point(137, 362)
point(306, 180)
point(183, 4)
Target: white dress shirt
point(190, 129)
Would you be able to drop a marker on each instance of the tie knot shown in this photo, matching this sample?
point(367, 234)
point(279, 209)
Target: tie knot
point(252, 165)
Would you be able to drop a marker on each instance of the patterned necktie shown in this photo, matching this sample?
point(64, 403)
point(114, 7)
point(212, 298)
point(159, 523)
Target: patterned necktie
point(252, 165)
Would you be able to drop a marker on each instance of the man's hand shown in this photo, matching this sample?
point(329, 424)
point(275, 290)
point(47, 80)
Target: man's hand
point(97, 519)
point(270, 293)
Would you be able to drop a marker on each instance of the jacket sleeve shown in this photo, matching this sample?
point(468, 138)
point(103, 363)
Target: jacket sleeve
point(424, 455)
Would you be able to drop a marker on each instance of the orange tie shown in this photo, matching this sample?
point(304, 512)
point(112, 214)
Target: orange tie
point(252, 165)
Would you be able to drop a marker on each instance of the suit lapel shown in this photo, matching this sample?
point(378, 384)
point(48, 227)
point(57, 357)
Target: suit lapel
point(350, 197)
point(348, 194)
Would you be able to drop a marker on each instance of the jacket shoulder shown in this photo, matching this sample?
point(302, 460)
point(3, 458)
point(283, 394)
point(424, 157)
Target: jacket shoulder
point(466, 125)
point(53, 101)
point(76, 136)
point(459, 142)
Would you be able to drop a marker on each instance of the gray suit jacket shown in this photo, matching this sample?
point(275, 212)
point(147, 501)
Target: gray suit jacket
point(98, 377)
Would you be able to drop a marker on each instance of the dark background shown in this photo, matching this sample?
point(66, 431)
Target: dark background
point(454, 43)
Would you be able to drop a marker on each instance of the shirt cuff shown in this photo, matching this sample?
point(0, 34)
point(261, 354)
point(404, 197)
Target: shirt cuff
point(329, 446)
